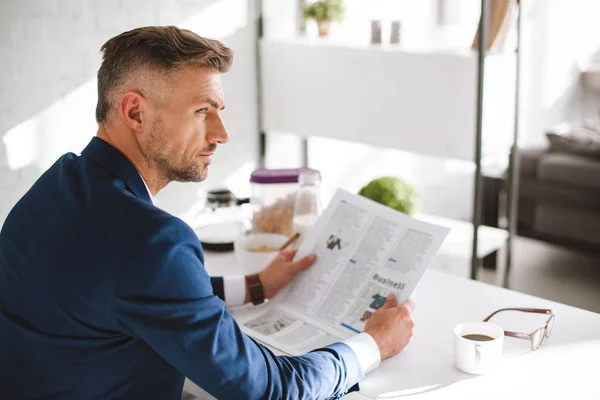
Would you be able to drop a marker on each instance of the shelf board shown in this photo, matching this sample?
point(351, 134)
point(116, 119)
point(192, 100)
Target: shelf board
point(419, 100)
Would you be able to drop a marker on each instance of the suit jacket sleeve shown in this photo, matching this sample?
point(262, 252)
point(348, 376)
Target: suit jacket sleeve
point(166, 299)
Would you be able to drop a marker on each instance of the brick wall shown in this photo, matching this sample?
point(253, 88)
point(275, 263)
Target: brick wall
point(50, 56)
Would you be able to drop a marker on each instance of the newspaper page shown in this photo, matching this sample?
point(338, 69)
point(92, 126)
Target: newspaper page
point(365, 252)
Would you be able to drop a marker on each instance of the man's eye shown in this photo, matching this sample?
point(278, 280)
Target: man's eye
point(201, 111)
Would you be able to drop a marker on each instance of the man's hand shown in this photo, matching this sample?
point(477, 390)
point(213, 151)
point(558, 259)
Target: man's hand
point(391, 326)
point(281, 271)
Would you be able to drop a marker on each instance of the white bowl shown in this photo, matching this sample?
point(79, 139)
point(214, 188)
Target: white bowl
point(254, 261)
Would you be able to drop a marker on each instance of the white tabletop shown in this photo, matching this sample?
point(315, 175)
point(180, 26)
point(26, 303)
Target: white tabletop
point(565, 366)
point(458, 243)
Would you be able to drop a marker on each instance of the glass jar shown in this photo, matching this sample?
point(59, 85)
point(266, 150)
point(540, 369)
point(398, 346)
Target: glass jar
point(273, 199)
point(307, 208)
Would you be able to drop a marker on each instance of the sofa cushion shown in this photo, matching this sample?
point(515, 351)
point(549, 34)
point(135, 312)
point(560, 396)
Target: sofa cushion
point(528, 158)
point(569, 169)
point(571, 144)
point(581, 139)
point(548, 192)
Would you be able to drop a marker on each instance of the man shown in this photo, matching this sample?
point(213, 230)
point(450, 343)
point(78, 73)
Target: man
point(334, 241)
point(105, 296)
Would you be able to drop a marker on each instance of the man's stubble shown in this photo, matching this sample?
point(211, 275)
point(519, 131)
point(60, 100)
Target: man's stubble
point(156, 156)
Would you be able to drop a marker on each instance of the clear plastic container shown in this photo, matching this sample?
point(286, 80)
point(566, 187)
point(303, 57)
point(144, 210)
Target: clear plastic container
point(307, 208)
point(273, 199)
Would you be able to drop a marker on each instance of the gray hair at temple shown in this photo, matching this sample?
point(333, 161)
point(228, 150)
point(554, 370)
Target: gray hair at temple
point(155, 50)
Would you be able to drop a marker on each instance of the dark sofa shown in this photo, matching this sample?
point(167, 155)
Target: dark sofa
point(559, 199)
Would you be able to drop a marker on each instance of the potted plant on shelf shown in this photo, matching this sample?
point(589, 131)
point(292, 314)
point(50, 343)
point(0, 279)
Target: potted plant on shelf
point(324, 12)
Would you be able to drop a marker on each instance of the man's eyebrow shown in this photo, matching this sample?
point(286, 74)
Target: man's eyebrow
point(214, 104)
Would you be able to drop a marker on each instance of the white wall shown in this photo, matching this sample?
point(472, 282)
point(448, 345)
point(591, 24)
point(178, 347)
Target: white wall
point(559, 37)
point(50, 56)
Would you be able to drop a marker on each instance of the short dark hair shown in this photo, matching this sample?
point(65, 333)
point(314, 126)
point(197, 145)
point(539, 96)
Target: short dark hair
point(158, 48)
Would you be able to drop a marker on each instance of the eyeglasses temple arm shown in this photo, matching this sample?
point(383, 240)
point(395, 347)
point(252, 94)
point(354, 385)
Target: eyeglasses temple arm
point(531, 310)
point(518, 335)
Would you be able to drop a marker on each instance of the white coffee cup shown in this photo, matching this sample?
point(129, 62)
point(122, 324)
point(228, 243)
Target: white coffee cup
point(478, 356)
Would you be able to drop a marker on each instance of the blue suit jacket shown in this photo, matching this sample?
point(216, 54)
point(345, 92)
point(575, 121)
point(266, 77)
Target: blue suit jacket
point(104, 296)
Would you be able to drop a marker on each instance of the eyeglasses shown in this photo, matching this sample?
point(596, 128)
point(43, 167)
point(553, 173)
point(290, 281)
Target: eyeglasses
point(536, 338)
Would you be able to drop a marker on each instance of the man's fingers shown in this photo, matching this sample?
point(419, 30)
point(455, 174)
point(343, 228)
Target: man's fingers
point(410, 305)
point(390, 301)
point(305, 262)
point(288, 254)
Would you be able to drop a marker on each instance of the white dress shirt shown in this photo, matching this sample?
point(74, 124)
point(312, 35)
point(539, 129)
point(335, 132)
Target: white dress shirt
point(363, 344)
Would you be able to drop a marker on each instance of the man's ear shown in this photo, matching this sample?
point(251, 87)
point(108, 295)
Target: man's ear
point(132, 110)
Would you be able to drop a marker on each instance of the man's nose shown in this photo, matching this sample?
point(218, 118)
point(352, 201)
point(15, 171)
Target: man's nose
point(217, 132)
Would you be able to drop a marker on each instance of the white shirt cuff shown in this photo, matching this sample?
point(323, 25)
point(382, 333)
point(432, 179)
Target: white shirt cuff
point(234, 288)
point(366, 350)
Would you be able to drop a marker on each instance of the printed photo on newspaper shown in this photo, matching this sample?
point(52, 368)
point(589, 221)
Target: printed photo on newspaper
point(365, 251)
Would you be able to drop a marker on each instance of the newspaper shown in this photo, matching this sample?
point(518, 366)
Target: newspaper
point(365, 251)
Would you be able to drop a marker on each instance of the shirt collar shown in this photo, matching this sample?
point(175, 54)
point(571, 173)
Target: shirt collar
point(152, 199)
point(114, 161)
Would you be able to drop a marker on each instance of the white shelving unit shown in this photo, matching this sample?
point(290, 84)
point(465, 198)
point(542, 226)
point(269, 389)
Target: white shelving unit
point(426, 101)
point(418, 100)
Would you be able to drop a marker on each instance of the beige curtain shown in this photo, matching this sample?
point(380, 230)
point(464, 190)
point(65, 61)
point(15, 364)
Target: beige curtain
point(501, 12)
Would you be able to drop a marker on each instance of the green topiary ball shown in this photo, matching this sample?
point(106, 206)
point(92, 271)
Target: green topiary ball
point(393, 192)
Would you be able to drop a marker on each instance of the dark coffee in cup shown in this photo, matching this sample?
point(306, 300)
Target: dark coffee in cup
point(478, 338)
